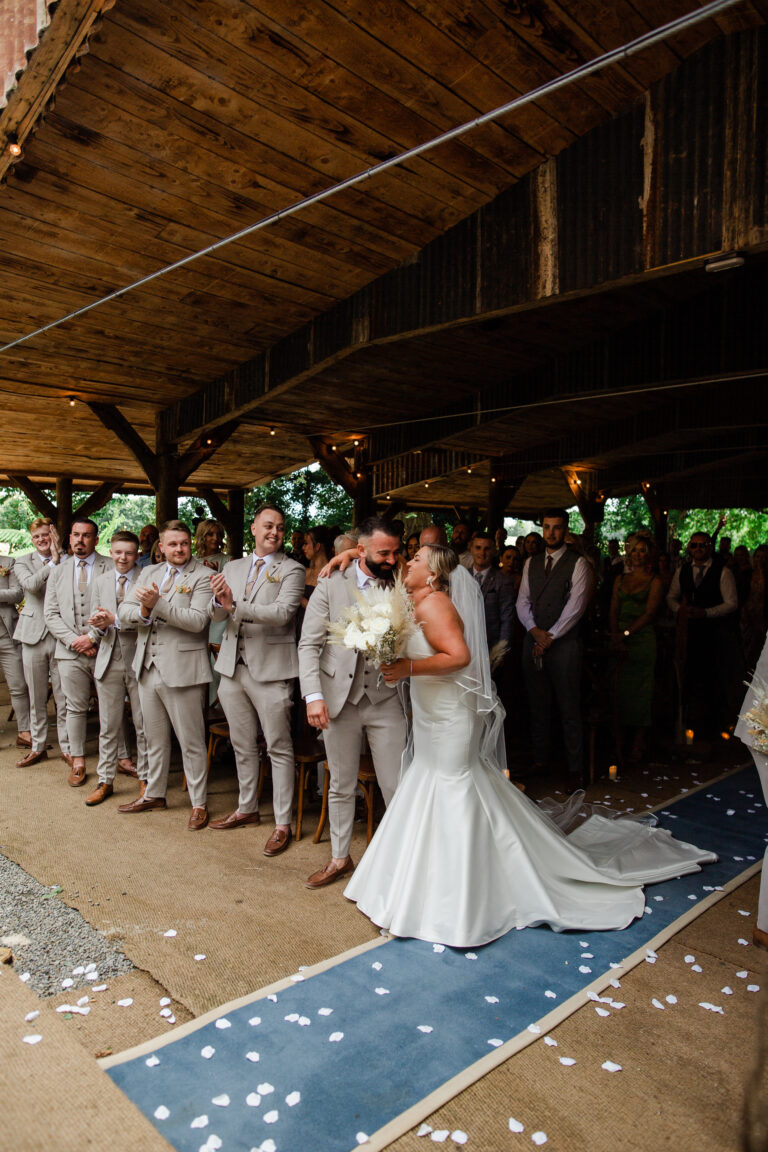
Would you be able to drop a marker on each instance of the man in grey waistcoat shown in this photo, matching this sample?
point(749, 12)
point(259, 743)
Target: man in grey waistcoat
point(67, 611)
point(11, 594)
point(37, 644)
point(346, 697)
point(554, 594)
point(115, 677)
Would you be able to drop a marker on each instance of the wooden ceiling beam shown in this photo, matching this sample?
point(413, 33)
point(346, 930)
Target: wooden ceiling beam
point(114, 421)
point(391, 476)
point(34, 493)
point(99, 497)
point(203, 448)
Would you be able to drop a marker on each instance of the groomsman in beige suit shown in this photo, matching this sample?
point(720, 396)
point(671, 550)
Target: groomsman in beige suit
point(114, 672)
point(11, 594)
point(37, 644)
point(259, 597)
point(169, 604)
point(67, 611)
point(344, 696)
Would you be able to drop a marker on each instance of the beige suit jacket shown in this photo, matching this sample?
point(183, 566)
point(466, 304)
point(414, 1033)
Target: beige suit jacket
point(11, 594)
point(178, 626)
point(270, 641)
point(325, 667)
point(32, 573)
point(104, 595)
point(60, 604)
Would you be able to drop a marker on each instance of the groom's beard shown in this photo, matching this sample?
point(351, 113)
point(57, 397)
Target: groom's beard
point(380, 571)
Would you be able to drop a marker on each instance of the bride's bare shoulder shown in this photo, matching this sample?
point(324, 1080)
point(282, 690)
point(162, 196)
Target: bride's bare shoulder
point(438, 608)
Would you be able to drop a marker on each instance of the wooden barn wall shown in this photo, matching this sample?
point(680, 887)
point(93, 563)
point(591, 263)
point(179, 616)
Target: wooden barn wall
point(680, 175)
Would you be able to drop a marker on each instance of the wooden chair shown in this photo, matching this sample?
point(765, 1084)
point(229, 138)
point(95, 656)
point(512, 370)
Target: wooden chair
point(366, 778)
point(308, 753)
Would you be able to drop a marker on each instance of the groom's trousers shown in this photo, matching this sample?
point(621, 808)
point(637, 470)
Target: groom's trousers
point(384, 725)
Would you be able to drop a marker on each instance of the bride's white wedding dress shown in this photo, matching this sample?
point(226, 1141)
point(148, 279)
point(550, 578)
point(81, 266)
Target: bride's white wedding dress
point(462, 856)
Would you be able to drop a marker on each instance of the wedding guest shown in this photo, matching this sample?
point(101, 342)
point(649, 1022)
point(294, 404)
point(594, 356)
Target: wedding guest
point(511, 565)
point(411, 546)
point(714, 670)
point(147, 538)
point(637, 596)
point(318, 550)
point(724, 550)
point(533, 545)
point(742, 571)
point(553, 597)
point(497, 590)
point(460, 543)
point(296, 549)
point(344, 542)
point(500, 540)
point(11, 594)
point(433, 534)
point(675, 553)
point(209, 544)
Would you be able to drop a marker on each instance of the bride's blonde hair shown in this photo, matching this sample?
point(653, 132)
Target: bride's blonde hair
point(441, 561)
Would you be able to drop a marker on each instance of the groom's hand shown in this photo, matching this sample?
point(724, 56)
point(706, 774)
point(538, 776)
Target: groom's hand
point(317, 714)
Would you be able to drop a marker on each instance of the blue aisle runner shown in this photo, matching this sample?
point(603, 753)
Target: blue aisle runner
point(315, 1066)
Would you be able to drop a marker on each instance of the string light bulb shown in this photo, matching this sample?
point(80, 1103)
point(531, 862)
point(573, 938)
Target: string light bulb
point(14, 148)
point(272, 432)
point(71, 401)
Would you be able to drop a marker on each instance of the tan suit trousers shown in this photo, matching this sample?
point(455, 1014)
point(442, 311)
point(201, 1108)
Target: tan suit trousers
point(242, 698)
point(384, 725)
point(119, 680)
point(13, 670)
point(77, 681)
point(39, 665)
point(180, 709)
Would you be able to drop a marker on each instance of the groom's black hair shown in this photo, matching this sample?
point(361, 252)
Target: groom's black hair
point(378, 524)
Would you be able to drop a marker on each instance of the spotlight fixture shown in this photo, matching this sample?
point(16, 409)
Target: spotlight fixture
point(725, 262)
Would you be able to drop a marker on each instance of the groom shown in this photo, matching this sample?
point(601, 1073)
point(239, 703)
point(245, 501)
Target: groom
point(344, 696)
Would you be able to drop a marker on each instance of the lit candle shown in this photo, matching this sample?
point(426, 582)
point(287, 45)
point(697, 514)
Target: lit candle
point(689, 735)
point(613, 772)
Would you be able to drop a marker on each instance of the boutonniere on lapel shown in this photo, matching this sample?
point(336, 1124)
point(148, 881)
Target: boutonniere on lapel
point(183, 588)
point(270, 579)
point(5, 571)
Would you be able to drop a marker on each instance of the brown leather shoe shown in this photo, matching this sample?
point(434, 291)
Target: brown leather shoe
point(128, 770)
point(143, 804)
point(760, 939)
point(99, 795)
point(198, 819)
point(278, 842)
point(68, 759)
point(235, 820)
point(23, 741)
point(77, 775)
point(330, 873)
point(32, 758)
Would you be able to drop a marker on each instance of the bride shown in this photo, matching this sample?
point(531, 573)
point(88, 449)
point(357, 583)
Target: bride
point(461, 855)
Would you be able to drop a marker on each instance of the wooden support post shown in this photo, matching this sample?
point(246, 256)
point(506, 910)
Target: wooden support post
point(167, 490)
point(591, 504)
point(501, 489)
point(659, 515)
point(232, 516)
point(354, 479)
point(64, 507)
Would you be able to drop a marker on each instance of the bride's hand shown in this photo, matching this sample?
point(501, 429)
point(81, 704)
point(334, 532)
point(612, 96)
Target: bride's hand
point(400, 670)
point(340, 563)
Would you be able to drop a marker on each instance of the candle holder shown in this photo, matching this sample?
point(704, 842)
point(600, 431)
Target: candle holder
point(613, 772)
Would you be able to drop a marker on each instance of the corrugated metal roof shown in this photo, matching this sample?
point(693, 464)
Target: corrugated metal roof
point(21, 24)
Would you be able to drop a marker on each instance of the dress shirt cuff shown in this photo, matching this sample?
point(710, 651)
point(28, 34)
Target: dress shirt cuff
point(310, 699)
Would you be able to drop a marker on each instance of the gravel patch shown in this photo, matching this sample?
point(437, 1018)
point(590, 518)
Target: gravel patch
point(50, 941)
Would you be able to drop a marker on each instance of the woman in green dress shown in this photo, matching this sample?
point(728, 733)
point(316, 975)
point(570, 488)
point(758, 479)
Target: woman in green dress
point(637, 596)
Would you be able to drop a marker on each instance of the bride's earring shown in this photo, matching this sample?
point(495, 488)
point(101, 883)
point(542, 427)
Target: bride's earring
point(430, 581)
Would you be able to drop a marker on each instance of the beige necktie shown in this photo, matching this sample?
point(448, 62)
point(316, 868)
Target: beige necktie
point(82, 576)
point(255, 572)
point(121, 581)
point(168, 582)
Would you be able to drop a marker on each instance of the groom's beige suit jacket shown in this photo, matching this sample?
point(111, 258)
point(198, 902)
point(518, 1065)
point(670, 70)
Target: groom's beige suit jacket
point(330, 668)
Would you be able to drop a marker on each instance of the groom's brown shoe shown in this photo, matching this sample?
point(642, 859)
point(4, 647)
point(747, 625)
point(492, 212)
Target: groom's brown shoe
point(330, 874)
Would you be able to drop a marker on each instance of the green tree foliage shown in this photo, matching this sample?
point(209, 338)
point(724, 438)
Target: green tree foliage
point(307, 497)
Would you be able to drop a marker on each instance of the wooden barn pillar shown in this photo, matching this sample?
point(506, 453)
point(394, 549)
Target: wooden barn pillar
point(64, 507)
point(354, 475)
point(500, 492)
point(167, 488)
point(591, 504)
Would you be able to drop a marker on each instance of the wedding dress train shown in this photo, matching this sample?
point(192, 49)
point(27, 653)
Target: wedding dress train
point(462, 856)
